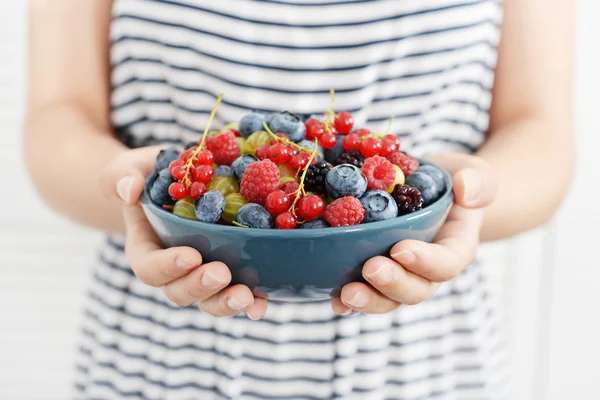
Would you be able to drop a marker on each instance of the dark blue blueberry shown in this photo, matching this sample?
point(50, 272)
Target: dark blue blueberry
point(314, 224)
point(289, 124)
point(345, 180)
point(251, 123)
point(436, 174)
point(255, 216)
point(159, 191)
point(379, 206)
point(223, 170)
point(210, 206)
point(332, 154)
point(310, 145)
point(239, 165)
point(426, 186)
point(165, 157)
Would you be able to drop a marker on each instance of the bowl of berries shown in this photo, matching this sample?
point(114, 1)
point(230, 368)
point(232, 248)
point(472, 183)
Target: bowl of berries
point(294, 207)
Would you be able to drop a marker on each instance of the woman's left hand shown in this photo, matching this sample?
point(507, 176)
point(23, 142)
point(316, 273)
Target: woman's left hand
point(415, 269)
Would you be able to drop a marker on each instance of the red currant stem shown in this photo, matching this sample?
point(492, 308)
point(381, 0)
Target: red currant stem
point(240, 225)
point(330, 114)
point(300, 189)
point(188, 165)
point(284, 140)
point(390, 124)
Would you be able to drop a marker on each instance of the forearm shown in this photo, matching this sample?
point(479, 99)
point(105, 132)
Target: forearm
point(66, 151)
point(533, 161)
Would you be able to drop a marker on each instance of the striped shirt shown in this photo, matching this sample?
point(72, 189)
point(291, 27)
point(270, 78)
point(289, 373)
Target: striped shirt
point(430, 63)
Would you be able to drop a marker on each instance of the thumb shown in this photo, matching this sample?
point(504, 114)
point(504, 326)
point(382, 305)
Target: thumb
point(124, 177)
point(474, 183)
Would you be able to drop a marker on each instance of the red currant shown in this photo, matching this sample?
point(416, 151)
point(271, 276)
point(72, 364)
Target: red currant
point(278, 153)
point(186, 154)
point(235, 132)
point(311, 207)
point(277, 202)
point(178, 172)
point(205, 157)
point(174, 164)
point(290, 187)
point(286, 221)
point(178, 191)
point(262, 152)
point(343, 122)
point(327, 141)
point(363, 132)
point(370, 147)
point(297, 162)
point(351, 142)
point(279, 135)
point(388, 147)
point(314, 129)
point(204, 173)
point(292, 150)
point(393, 138)
point(197, 189)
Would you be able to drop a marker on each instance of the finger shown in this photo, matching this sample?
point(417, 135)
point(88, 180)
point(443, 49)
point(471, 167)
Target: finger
point(452, 250)
point(257, 310)
point(339, 307)
point(150, 263)
point(365, 299)
point(474, 183)
point(198, 285)
point(125, 177)
point(395, 282)
point(228, 302)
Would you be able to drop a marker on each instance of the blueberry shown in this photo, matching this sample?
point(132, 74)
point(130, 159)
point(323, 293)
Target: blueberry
point(426, 185)
point(210, 206)
point(310, 145)
point(436, 174)
point(223, 170)
point(379, 205)
point(159, 192)
point(314, 224)
point(345, 180)
point(165, 157)
point(191, 144)
point(289, 124)
point(332, 154)
point(251, 123)
point(255, 216)
point(239, 165)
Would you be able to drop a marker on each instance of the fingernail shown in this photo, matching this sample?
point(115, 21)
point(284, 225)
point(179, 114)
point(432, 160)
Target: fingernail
point(210, 281)
point(347, 312)
point(382, 276)
point(235, 305)
point(473, 184)
point(124, 188)
point(359, 300)
point(184, 263)
point(405, 257)
point(253, 318)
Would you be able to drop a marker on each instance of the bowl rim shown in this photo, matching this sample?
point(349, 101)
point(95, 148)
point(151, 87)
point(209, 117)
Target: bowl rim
point(292, 233)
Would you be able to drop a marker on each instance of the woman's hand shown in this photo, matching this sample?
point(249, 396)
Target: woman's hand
point(416, 269)
point(179, 270)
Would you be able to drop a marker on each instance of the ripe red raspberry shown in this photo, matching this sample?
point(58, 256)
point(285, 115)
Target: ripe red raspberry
point(380, 173)
point(407, 164)
point(259, 179)
point(224, 147)
point(345, 211)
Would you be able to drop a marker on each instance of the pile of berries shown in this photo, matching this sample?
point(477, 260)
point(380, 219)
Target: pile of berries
point(279, 171)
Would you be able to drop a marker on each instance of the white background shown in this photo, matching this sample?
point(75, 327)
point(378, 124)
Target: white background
point(552, 275)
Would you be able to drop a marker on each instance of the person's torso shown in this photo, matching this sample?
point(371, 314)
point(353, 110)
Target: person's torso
point(429, 63)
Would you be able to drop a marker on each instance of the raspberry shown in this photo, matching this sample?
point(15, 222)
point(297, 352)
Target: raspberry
point(224, 147)
point(315, 177)
point(259, 179)
point(407, 164)
point(345, 211)
point(380, 173)
point(408, 198)
point(352, 157)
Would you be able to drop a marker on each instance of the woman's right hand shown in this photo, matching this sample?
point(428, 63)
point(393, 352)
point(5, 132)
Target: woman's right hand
point(178, 270)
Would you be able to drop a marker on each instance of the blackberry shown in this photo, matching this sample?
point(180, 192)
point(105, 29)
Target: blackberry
point(315, 177)
point(352, 157)
point(408, 198)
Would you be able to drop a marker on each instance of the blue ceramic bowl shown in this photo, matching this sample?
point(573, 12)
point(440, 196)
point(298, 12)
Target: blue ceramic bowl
point(301, 264)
